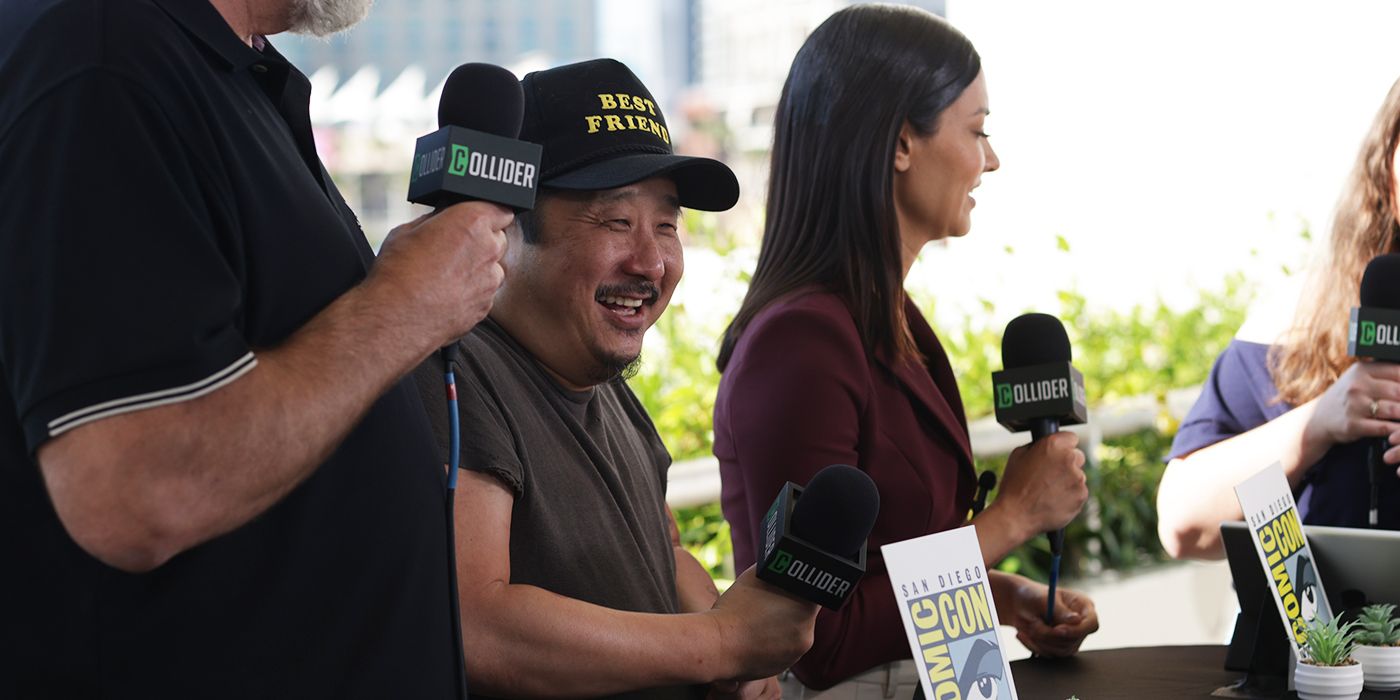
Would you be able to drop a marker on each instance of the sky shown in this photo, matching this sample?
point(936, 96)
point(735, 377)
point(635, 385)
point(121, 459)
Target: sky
point(1167, 144)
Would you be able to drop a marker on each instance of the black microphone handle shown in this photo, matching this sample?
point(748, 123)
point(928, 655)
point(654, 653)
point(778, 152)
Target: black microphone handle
point(1043, 427)
point(1375, 471)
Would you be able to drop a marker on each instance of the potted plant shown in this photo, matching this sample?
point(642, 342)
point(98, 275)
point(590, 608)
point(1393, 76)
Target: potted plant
point(1327, 670)
point(1378, 647)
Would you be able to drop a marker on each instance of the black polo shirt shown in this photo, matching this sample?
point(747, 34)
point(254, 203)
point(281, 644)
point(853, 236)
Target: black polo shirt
point(163, 216)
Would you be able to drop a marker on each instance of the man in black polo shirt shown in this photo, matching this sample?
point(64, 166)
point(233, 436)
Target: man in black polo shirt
point(213, 482)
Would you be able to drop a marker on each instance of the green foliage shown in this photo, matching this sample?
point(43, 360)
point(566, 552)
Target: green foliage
point(677, 384)
point(705, 534)
point(1378, 627)
point(1329, 644)
point(1146, 350)
point(702, 228)
point(1118, 529)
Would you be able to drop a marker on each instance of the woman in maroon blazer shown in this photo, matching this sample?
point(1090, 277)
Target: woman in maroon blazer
point(878, 144)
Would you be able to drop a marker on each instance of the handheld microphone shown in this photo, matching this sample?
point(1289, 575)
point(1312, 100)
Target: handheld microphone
point(474, 155)
point(1039, 390)
point(814, 538)
point(1374, 332)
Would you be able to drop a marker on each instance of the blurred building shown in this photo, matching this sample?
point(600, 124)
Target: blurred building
point(376, 87)
point(745, 50)
point(438, 35)
point(717, 67)
point(657, 40)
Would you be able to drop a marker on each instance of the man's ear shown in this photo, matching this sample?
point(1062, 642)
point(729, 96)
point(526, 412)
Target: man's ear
point(515, 242)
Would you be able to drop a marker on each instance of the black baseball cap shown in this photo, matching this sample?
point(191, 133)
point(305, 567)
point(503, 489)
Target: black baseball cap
point(601, 129)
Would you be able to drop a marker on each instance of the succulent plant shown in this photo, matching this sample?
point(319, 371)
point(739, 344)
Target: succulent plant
point(1378, 627)
point(1330, 644)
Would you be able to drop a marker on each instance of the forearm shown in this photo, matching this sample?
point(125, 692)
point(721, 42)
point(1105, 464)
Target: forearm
point(138, 488)
point(1043, 488)
point(695, 590)
point(865, 632)
point(1000, 530)
point(524, 641)
point(1005, 588)
point(1197, 492)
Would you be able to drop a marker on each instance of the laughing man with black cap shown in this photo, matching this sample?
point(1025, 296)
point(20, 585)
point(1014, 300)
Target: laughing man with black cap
point(571, 577)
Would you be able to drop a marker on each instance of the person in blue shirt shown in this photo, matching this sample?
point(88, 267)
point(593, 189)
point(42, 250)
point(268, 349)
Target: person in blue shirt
point(1286, 391)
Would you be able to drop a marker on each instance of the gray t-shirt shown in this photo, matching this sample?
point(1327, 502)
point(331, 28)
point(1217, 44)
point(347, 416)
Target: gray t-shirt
point(588, 471)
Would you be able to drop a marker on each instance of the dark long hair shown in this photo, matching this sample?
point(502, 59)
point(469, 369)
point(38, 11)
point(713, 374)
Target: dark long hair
point(831, 221)
point(1313, 353)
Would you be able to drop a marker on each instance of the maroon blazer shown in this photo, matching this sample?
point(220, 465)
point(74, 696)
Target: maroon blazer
point(800, 393)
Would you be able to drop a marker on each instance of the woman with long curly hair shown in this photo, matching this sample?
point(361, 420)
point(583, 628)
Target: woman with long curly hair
point(1288, 392)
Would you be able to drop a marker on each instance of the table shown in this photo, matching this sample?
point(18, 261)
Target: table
point(1137, 673)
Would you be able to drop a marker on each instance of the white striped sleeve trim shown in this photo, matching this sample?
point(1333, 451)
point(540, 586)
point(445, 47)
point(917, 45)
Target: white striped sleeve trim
point(106, 409)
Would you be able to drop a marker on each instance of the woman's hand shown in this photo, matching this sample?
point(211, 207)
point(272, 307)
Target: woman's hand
point(1043, 485)
point(1392, 453)
point(1024, 601)
point(1363, 402)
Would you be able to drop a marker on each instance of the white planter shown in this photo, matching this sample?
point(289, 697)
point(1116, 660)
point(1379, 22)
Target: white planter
point(1327, 682)
point(1380, 665)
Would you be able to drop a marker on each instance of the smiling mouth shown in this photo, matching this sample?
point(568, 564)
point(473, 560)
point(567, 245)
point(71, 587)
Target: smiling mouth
point(627, 301)
point(622, 306)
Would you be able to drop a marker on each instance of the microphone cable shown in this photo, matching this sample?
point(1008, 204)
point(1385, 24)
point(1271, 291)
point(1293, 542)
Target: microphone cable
point(1057, 545)
point(454, 426)
point(454, 460)
point(488, 99)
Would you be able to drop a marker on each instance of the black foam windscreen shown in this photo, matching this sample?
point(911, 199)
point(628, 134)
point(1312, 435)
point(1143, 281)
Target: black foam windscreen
point(837, 510)
point(1380, 284)
point(482, 97)
point(1034, 339)
point(987, 481)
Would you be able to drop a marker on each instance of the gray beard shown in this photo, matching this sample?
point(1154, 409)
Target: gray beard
point(323, 18)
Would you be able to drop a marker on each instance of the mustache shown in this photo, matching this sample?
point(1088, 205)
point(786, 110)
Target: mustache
point(641, 288)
